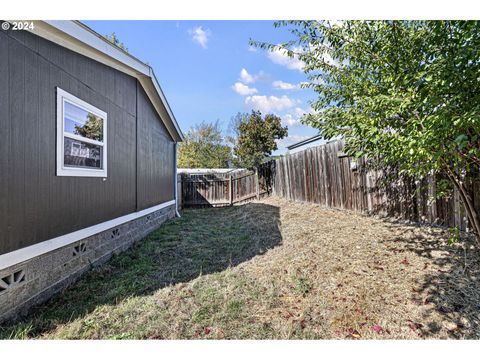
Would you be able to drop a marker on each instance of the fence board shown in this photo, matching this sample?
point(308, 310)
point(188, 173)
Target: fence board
point(323, 175)
point(221, 189)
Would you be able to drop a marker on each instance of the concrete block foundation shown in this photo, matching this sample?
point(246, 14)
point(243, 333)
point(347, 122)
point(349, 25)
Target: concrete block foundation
point(34, 281)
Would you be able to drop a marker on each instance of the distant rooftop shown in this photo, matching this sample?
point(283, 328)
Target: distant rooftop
point(305, 142)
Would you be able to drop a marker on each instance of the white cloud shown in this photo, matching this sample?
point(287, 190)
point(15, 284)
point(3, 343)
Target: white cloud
point(252, 49)
point(279, 56)
point(330, 61)
point(200, 35)
point(282, 85)
point(289, 120)
point(289, 140)
point(267, 104)
point(325, 56)
point(243, 89)
point(299, 112)
point(248, 78)
point(292, 118)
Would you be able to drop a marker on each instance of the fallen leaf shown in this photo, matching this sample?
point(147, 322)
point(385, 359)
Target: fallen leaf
point(207, 331)
point(354, 333)
point(378, 329)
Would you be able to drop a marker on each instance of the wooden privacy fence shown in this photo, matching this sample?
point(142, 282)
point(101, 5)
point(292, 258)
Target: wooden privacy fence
point(324, 175)
point(221, 189)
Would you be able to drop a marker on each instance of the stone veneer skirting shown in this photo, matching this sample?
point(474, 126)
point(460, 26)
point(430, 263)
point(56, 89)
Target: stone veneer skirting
point(32, 282)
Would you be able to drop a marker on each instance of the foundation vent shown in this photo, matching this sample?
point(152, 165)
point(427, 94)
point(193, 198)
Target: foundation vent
point(79, 249)
point(12, 280)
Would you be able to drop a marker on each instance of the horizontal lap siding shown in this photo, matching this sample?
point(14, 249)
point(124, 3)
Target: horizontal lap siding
point(155, 168)
point(35, 204)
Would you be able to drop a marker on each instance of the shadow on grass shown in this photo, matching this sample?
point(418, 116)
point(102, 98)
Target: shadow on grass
point(203, 241)
point(452, 286)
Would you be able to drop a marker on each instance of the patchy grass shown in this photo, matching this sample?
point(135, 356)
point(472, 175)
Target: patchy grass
point(272, 270)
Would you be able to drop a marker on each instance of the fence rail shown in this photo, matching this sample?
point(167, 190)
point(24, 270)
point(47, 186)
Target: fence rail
point(221, 189)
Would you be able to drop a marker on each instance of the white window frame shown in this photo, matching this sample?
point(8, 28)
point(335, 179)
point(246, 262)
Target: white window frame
point(62, 170)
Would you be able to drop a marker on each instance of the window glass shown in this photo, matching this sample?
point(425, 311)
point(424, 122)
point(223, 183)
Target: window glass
point(81, 154)
point(81, 137)
point(83, 123)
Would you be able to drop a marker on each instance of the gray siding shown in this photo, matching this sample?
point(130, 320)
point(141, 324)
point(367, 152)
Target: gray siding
point(155, 169)
point(35, 204)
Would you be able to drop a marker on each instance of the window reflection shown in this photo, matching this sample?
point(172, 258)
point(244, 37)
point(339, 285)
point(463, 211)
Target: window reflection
point(83, 123)
point(80, 154)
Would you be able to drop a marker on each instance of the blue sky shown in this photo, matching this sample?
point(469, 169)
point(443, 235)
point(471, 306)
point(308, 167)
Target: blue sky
point(208, 71)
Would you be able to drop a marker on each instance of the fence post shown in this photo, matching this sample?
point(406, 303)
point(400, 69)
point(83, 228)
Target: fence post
point(230, 192)
point(179, 192)
point(258, 184)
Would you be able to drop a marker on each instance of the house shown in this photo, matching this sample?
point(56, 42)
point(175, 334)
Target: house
point(87, 155)
point(307, 143)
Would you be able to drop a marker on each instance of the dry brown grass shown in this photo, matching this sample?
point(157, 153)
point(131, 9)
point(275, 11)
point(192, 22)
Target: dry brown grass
point(274, 269)
point(371, 278)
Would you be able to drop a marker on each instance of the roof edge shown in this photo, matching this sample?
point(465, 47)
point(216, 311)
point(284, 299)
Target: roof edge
point(79, 38)
point(304, 142)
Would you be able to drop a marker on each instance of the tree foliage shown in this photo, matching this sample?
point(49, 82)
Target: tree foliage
point(115, 41)
point(405, 92)
point(257, 138)
point(204, 147)
point(234, 133)
point(92, 129)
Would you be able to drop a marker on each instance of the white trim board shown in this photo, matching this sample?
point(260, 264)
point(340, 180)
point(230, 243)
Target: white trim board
point(62, 170)
point(29, 252)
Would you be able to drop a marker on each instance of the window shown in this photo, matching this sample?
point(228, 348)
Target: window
point(81, 137)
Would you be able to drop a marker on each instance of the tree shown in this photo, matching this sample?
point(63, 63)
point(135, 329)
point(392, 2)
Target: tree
point(115, 41)
point(234, 133)
point(204, 147)
point(404, 92)
point(92, 129)
point(256, 138)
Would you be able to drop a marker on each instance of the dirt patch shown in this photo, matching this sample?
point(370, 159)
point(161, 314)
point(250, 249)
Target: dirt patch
point(274, 269)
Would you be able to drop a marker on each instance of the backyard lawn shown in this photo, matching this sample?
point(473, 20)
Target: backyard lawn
point(272, 269)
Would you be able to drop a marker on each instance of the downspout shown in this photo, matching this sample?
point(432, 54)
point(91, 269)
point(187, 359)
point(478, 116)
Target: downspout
point(176, 181)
